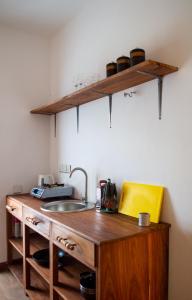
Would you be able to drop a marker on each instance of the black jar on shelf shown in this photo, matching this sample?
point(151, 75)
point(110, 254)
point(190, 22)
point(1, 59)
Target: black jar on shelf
point(137, 56)
point(111, 69)
point(123, 63)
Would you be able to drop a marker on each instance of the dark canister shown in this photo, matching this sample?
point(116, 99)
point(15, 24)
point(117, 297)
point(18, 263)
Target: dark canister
point(137, 55)
point(123, 63)
point(111, 69)
point(88, 285)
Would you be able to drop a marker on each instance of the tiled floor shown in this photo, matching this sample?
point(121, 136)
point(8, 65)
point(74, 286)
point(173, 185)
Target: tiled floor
point(10, 288)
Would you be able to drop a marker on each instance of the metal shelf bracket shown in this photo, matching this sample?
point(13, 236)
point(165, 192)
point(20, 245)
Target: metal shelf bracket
point(160, 89)
point(77, 110)
point(110, 108)
point(110, 104)
point(55, 125)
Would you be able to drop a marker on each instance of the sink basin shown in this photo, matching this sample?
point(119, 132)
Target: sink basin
point(66, 206)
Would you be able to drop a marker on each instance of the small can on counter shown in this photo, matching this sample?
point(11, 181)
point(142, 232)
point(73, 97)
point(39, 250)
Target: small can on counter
point(144, 219)
point(123, 63)
point(111, 69)
point(137, 56)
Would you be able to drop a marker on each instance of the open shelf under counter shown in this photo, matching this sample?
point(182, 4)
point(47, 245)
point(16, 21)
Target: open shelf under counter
point(37, 242)
point(39, 290)
point(42, 271)
point(17, 243)
point(16, 268)
point(36, 293)
point(68, 278)
point(68, 287)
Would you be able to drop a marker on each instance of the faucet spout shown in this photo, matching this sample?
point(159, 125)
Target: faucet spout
point(86, 180)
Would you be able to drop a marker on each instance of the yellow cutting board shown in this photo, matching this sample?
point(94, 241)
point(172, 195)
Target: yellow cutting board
point(137, 197)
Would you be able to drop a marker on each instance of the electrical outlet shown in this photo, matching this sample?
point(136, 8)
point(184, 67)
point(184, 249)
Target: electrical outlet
point(64, 168)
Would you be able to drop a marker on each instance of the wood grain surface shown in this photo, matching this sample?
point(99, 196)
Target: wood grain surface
point(123, 80)
point(124, 272)
point(94, 226)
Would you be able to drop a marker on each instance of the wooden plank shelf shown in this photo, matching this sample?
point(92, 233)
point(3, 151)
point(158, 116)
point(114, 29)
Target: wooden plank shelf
point(17, 243)
point(68, 279)
point(68, 287)
point(16, 268)
point(42, 271)
point(39, 289)
point(136, 75)
point(37, 242)
point(38, 293)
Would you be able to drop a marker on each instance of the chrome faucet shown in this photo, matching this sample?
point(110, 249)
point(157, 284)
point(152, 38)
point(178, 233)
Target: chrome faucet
point(86, 180)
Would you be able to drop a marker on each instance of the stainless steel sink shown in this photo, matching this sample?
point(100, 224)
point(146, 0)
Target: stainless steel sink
point(67, 206)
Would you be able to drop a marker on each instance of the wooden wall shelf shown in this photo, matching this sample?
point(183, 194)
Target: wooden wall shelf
point(136, 75)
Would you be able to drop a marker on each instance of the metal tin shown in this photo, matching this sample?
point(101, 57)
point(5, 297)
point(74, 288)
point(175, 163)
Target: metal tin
point(137, 55)
point(111, 69)
point(123, 63)
point(144, 219)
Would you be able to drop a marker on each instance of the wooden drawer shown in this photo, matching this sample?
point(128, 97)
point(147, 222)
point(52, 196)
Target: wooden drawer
point(36, 221)
point(14, 207)
point(75, 245)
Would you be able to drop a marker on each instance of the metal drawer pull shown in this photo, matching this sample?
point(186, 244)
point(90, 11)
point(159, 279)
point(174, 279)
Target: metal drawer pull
point(67, 243)
point(33, 220)
point(10, 208)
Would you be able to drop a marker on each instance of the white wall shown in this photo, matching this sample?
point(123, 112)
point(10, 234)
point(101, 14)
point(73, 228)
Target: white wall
point(139, 147)
point(24, 138)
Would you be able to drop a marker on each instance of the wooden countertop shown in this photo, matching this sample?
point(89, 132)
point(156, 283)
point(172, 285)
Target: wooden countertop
point(92, 225)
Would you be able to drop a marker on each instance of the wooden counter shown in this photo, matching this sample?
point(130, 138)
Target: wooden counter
point(131, 262)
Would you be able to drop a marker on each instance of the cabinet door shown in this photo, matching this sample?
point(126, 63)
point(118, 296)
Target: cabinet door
point(123, 270)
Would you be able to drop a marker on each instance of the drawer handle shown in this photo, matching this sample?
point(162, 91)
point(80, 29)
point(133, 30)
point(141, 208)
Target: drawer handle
point(33, 221)
point(10, 208)
point(67, 243)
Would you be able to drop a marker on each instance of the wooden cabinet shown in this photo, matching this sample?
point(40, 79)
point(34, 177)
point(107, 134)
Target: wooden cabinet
point(131, 263)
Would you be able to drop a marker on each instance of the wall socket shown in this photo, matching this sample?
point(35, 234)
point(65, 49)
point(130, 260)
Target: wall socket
point(64, 168)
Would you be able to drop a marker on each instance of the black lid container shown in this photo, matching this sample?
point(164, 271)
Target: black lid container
point(88, 285)
point(137, 56)
point(123, 63)
point(111, 69)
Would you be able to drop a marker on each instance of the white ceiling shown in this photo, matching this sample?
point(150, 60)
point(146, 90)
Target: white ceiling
point(40, 16)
